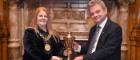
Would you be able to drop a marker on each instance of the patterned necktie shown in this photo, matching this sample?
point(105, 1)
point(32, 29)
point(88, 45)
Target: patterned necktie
point(94, 39)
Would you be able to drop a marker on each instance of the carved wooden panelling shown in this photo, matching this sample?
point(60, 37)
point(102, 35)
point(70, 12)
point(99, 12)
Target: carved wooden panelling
point(68, 15)
point(70, 20)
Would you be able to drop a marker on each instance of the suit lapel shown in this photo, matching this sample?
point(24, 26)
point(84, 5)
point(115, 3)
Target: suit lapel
point(92, 31)
point(105, 29)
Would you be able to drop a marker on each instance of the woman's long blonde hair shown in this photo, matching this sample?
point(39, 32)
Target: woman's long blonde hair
point(33, 23)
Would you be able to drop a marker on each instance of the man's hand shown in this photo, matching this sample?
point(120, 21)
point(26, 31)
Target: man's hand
point(79, 57)
point(56, 58)
point(76, 47)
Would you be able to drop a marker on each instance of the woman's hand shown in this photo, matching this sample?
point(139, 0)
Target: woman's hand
point(56, 58)
point(67, 52)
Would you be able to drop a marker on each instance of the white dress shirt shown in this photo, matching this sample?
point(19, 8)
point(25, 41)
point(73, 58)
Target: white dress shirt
point(102, 24)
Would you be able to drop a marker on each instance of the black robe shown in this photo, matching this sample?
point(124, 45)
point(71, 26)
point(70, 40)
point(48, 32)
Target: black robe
point(34, 46)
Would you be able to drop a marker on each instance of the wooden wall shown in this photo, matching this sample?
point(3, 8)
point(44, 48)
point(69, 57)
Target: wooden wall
point(19, 19)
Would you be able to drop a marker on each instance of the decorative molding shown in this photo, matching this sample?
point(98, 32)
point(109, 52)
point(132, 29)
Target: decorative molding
point(131, 1)
point(68, 15)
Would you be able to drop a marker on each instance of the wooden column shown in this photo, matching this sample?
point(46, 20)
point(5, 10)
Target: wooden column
point(3, 32)
point(14, 45)
point(123, 21)
point(134, 31)
point(23, 16)
point(119, 14)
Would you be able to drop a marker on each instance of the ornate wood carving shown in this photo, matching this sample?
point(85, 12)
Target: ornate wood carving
point(135, 44)
point(134, 31)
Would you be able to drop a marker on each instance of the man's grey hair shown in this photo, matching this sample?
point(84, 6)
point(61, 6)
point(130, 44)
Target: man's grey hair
point(100, 2)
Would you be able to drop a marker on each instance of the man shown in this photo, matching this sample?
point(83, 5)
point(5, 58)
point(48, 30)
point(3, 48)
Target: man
point(106, 44)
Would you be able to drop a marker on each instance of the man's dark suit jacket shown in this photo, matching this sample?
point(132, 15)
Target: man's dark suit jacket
point(109, 44)
point(34, 46)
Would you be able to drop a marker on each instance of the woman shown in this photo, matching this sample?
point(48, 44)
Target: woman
point(40, 41)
